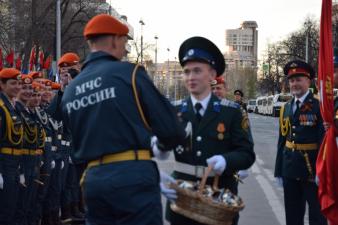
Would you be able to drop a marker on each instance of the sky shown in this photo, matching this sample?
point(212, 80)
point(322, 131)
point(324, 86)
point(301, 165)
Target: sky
point(174, 21)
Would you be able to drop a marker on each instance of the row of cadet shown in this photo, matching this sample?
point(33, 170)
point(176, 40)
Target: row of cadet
point(39, 184)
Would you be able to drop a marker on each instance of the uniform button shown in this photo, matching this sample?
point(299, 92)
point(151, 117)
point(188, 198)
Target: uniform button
point(198, 138)
point(198, 153)
point(293, 127)
point(293, 134)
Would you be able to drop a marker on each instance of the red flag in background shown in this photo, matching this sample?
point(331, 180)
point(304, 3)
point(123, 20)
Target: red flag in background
point(327, 160)
point(41, 58)
point(32, 59)
point(47, 63)
point(10, 58)
point(1, 60)
point(18, 63)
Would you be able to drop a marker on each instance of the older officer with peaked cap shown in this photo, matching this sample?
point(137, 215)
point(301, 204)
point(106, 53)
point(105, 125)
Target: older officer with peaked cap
point(301, 133)
point(111, 118)
point(217, 137)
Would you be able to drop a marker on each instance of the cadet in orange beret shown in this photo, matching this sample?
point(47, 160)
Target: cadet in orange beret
point(218, 87)
point(69, 67)
point(111, 132)
point(11, 135)
point(30, 158)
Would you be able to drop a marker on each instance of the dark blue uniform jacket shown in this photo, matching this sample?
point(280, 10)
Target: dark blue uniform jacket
point(100, 110)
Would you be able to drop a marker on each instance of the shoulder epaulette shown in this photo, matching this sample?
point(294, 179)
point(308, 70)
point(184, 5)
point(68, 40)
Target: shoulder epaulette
point(229, 103)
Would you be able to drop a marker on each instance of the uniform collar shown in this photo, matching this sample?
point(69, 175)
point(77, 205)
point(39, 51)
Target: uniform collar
point(204, 101)
point(98, 55)
point(302, 99)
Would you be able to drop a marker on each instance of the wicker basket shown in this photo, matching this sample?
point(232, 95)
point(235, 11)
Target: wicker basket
point(194, 205)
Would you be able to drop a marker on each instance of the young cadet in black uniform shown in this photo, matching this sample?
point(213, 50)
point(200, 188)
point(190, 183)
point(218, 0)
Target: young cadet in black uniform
point(48, 162)
point(121, 182)
point(11, 135)
point(300, 136)
point(217, 137)
point(34, 102)
point(29, 156)
point(51, 204)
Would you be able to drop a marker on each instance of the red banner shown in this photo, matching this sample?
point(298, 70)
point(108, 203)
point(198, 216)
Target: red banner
point(41, 57)
point(328, 154)
point(18, 63)
point(47, 63)
point(32, 59)
point(10, 58)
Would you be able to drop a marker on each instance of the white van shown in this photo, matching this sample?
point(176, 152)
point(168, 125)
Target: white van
point(261, 103)
point(269, 105)
point(278, 101)
point(251, 107)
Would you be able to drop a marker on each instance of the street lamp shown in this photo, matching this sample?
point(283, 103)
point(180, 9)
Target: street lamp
point(168, 74)
point(175, 81)
point(155, 75)
point(142, 24)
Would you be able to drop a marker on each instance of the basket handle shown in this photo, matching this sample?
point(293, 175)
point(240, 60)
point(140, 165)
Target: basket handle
point(204, 180)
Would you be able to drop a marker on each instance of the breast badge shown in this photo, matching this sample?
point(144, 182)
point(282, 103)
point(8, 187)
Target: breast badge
point(179, 149)
point(220, 130)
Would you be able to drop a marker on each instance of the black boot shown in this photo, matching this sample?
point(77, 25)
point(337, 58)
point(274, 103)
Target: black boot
point(66, 216)
point(54, 218)
point(75, 211)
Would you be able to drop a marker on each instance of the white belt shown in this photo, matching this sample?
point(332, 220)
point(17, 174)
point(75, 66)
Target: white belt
point(59, 136)
point(54, 148)
point(197, 171)
point(48, 139)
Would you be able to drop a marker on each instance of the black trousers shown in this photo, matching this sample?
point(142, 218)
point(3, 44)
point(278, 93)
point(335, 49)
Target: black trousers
point(296, 194)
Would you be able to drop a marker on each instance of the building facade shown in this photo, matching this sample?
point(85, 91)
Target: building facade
point(242, 45)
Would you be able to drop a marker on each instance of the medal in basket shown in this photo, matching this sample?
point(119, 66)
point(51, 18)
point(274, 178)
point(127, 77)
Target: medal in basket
point(206, 204)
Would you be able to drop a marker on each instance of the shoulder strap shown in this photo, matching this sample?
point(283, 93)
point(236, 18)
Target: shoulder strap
point(139, 107)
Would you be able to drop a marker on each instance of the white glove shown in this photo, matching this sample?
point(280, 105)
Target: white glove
point(62, 164)
point(317, 180)
point(242, 174)
point(279, 181)
point(1, 182)
point(22, 180)
point(70, 160)
point(169, 193)
point(52, 164)
point(161, 155)
point(188, 129)
point(41, 163)
point(218, 164)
